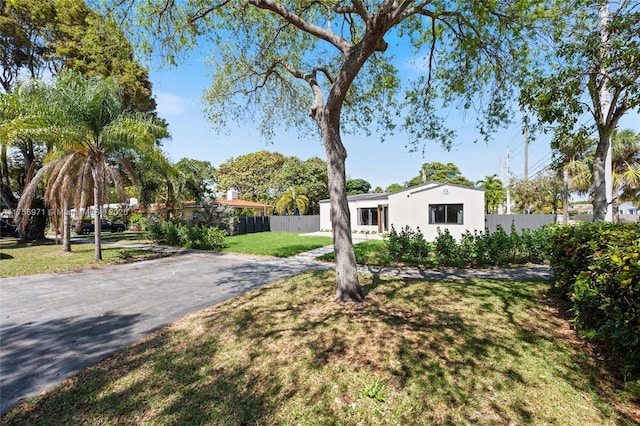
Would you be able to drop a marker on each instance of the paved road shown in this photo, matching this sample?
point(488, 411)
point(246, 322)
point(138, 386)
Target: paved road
point(54, 325)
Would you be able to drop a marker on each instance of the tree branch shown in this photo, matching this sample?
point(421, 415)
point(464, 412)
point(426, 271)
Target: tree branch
point(203, 13)
point(324, 34)
point(361, 10)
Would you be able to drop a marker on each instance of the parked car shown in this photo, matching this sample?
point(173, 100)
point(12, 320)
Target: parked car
point(8, 229)
point(88, 227)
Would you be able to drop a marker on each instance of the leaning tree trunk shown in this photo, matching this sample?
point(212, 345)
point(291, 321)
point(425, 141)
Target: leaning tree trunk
point(348, 288)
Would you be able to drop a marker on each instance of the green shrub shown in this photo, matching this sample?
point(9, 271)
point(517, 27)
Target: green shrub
point(473, 250)
point(398, 243)
point(447, 250)
point(137, 222)
point(213, 238)
point(597, 266)
point(187, 235)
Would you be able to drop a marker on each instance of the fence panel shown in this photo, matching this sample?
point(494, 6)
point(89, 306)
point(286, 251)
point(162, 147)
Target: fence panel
point(295, 223)
point(520, 221)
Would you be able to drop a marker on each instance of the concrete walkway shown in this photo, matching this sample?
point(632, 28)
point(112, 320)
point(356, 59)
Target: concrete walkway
point(54, 325)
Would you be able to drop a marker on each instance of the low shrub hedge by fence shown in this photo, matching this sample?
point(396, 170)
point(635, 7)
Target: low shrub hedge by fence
point(597, 266)
point(473, 250)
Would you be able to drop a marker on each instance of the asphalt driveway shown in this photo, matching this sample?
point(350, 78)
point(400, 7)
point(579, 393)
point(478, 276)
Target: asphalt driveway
point(54, 325)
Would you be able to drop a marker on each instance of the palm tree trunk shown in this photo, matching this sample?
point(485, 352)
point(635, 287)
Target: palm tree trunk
point(97, 202)
point(66, 227)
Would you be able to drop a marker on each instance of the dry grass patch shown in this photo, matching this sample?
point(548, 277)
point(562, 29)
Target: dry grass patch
point(415, 352)
point(20, 259)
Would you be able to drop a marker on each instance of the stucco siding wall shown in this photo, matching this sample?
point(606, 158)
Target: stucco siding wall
point(325, 217)
point(354, 207)
point(411, 208)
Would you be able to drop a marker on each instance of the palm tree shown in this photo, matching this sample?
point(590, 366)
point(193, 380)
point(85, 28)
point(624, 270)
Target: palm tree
point(625, 146)
point(494, 194)
point(95, 137)
point(291, 201)
point(625, 158)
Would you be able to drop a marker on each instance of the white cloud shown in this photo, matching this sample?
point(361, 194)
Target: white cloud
point(169, 104)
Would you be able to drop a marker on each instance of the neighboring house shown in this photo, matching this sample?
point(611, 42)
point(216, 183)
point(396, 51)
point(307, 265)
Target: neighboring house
point(582, 208)
point(628, 208)
point(429, 206)
point(189, 207)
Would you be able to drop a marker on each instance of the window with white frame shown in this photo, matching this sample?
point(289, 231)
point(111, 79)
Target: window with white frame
point(368, 216)
point(445, 214)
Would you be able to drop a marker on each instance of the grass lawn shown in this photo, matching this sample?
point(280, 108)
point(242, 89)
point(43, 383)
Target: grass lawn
point(415, 352)
point(279, 244)
point(17, 259)
point(371, 252)
point(119, 237)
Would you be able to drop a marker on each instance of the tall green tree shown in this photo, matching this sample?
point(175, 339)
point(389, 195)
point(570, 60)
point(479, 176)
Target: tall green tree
point(591, 69)
point(438, 172)
point(494, 193)
point(310, 175)
point(49, 36)
point(43, 37)
point(283, 62)
point(91, 123)
point(394, 187)
point(195, 179)
point(254, 175)
point(539, 195)
point(357, 186)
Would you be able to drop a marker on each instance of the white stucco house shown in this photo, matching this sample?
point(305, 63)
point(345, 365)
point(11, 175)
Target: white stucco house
point(428, 206)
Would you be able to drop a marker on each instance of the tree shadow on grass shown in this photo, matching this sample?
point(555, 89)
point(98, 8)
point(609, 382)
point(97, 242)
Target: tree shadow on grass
point(454, 345)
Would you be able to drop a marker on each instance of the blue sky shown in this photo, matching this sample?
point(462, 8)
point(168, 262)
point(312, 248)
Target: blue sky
point(178, 94)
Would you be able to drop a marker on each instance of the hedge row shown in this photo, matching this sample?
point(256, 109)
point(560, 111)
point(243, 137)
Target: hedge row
point(597, 266)
point(472, 250)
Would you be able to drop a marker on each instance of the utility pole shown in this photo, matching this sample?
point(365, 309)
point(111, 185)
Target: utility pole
point(508, 184)
point(526, 153)
point(500, 207)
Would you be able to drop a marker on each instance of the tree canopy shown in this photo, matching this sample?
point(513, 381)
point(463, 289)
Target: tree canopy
point(279, 63)
point(40, 38)
point(357, 186)
point(253, 175)
point(591, 70)
point(438, 172)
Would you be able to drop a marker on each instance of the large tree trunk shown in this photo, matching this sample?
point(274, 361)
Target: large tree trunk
point(348, 288)
point(615, 212)
point(602, 173)
point(600, 193)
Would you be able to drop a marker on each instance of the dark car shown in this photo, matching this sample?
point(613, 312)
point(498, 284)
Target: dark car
point(88, 227)
point(8, 229)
